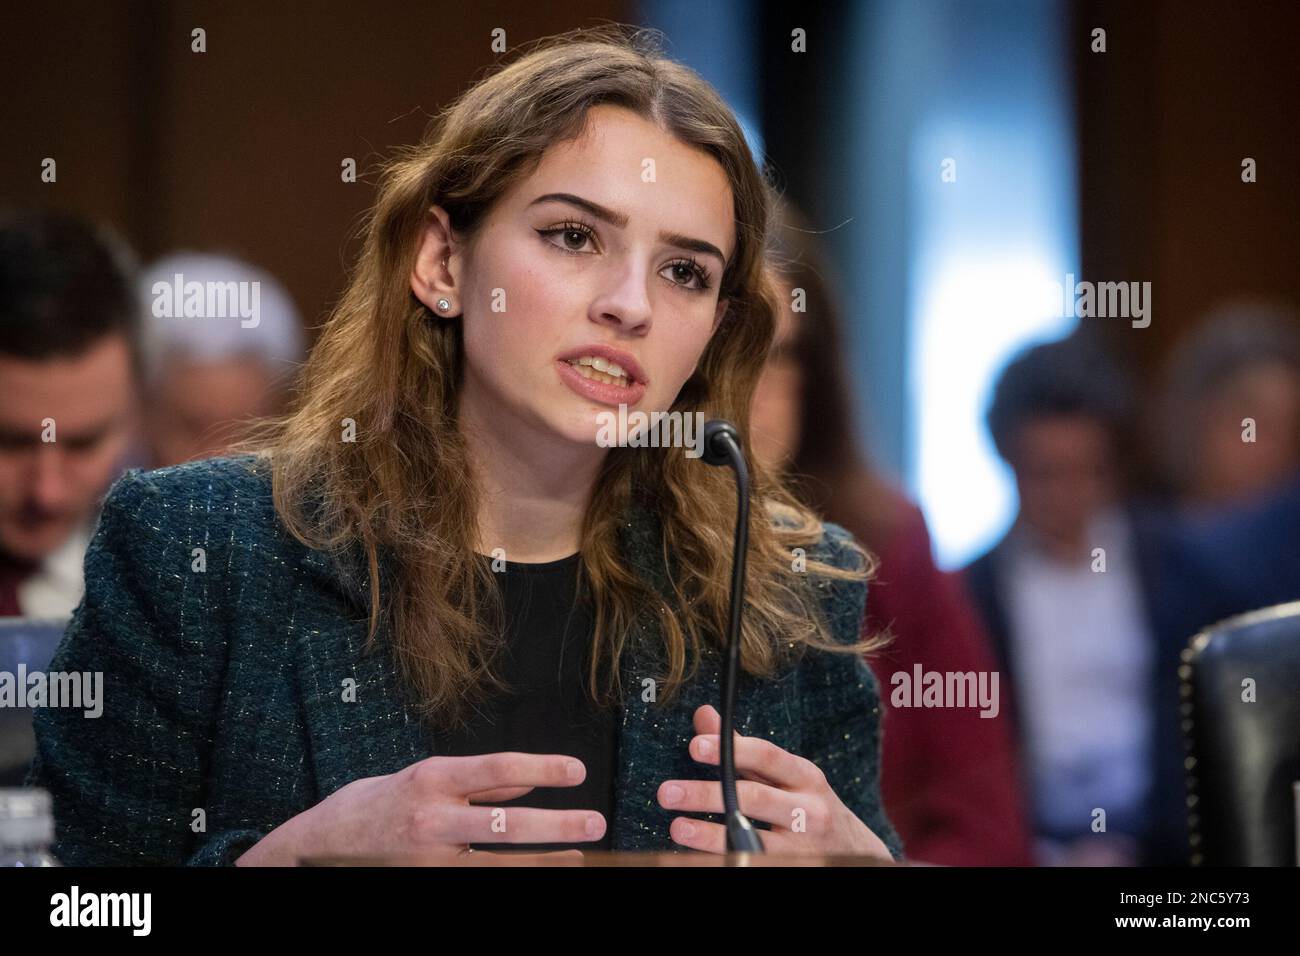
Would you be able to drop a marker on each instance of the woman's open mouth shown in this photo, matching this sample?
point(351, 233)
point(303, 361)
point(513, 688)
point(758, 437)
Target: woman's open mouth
point(600, 380)
point(601, 370)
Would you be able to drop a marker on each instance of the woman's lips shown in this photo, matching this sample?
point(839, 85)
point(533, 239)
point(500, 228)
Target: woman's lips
point(601, 392)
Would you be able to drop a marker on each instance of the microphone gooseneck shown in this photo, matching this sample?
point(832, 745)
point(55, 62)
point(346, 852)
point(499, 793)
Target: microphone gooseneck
point(722, 447)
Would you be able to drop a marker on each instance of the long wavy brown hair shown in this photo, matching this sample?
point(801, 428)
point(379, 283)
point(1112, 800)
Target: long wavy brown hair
point(402, 495)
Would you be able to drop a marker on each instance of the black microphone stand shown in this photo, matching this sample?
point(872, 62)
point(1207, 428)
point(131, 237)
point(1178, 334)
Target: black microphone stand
point(722, 447)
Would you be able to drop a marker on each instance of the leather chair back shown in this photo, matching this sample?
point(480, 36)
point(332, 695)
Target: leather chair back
point(1240, 704)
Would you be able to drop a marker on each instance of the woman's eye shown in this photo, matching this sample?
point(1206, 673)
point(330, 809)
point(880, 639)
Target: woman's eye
point(572, 238)
point(689, 276)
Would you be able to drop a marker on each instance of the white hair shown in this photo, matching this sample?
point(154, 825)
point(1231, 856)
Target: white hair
point(277, 339)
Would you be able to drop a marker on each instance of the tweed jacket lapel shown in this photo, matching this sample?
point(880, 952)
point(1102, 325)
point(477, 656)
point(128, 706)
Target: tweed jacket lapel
point(352, 699)
point(643, 728)
point(654, 735)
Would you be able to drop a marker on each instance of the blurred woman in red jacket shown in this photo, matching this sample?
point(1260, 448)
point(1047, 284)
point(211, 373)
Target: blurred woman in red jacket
point(950, 780)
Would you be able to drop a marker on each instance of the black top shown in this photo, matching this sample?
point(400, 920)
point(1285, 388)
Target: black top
point(548, 708)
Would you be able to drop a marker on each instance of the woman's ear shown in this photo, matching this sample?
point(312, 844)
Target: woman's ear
point(433, 279)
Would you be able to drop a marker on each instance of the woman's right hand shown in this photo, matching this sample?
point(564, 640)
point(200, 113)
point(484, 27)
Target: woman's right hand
point(440, 804)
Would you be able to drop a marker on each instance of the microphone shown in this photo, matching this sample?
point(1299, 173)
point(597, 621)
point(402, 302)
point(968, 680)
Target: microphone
point(722, 447)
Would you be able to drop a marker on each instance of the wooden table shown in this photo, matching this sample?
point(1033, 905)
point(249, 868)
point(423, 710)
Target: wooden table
point(575, 858)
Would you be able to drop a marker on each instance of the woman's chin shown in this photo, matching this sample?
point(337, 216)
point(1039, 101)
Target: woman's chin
point(589, 430)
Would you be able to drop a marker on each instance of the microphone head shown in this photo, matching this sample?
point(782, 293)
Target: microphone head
point(717, 431)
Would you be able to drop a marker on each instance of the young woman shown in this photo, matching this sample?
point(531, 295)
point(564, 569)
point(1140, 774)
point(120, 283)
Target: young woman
point(435, 612)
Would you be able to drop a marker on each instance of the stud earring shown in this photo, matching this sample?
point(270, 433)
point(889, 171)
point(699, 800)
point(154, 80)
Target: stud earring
point(443, 305)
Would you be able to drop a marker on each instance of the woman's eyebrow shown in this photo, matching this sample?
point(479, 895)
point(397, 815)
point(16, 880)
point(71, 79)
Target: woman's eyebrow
point(620, 220)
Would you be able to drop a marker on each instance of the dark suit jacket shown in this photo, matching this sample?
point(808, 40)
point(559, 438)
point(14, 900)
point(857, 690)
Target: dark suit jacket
point(223, 688)
point(1164, 836)
point(1238, 558)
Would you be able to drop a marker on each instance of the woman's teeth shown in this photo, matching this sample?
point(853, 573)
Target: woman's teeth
point(601, 370)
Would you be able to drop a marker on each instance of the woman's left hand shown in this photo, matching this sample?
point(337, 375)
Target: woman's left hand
point(780, 788)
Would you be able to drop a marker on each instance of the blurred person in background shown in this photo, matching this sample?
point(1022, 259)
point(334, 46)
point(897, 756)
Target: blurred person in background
point(1072, 598)
point(1231, 411)
point(1230, 423)
point(69, 368)
point(206, 376)
point(949, 778)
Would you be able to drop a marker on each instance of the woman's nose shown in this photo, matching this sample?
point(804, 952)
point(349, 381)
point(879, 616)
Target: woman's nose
point(627, 300)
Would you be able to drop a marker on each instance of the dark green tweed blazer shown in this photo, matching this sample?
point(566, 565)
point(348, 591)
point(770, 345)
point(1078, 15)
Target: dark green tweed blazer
point(223, 688)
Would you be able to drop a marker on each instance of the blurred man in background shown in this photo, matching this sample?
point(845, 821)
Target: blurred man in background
point(1231, 412)
point(206, 376)
point(1230, 426)
point(68, 376)
point(1067, 597)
